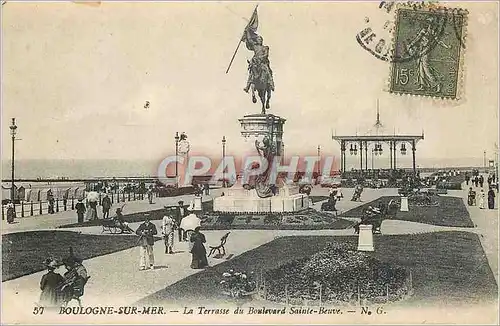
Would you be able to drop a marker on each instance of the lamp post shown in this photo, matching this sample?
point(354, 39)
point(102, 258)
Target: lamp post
point(13, 130)
point(283, 159)
point(223, 161)
point(373, 151)
point(176, 159)
point(484, 159)
point(319, 160)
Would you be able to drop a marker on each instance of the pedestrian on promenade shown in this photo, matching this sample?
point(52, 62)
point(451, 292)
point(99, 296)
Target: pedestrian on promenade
point(491, 198)
point(476, 181)
point(11, 213)
point(198, 251)
point(481, 181)
point(106, 206)
point(332, 192)
point(75, 279)
point(50, 198)
point(80, 210)
point(467, 178)
point(471, 197)
point(180, 214)
point(339, 194)
point(150, 194)
point(168, 234)
point(146, 231)
point(482, 196)
point(49, 284)
point(120, 220)
point(93, 210)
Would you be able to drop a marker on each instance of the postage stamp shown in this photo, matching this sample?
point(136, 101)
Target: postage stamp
point(427, 53)
point(145, 179)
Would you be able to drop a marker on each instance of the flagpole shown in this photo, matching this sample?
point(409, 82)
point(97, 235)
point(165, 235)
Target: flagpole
point(239, 43)
point(234, 54)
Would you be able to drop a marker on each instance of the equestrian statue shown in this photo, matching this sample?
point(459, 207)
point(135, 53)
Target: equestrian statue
point(260, 75)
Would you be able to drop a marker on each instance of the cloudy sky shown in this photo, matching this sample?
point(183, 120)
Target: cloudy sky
point(77, 77)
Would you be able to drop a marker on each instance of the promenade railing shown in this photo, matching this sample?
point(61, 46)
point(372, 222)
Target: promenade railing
point(37, 208)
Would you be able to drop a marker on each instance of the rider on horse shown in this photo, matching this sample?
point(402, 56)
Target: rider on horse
point(259, 61)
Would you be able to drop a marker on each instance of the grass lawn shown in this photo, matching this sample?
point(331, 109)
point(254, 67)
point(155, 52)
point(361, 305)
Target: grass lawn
point(451, 211)
point(447, 267)
point(24, 253)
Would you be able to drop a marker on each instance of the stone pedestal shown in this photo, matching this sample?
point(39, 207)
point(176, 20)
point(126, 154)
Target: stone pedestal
point(196, 204)
point(365, 238)
point(239, 200)
point(257, 128)
point(404, 204)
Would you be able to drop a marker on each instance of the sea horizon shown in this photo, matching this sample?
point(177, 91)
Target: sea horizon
point(95, 168)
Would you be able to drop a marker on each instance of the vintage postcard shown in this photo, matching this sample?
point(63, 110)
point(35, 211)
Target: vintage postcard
point(249, 162)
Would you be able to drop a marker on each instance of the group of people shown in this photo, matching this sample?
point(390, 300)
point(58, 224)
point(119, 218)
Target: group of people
point(335, 195)
point(482, 196)
point(148, 230)
point(477, 180)
point(58, 290)
point(89, 210)
point(358, 190)
point(373, 216)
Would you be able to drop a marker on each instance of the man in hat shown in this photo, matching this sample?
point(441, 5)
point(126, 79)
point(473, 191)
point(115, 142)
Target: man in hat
point(181, 213)
point(106, 206)
point(146, 231)
point(80, 210)
point(50, 198)
point(168, 233)
point(150, 194)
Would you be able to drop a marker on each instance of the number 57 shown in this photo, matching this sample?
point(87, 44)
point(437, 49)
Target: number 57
point(38, 310)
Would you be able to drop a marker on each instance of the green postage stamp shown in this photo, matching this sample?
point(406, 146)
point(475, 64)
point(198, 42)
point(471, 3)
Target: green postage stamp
point(428, 50)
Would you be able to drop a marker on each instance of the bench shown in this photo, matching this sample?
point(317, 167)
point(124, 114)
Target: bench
point(110, 226)
point(223, 241)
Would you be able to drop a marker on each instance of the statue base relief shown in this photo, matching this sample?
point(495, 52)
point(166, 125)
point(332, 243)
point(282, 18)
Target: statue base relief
point(239, 200)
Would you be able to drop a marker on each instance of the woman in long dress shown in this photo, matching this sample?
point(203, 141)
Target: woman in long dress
point(48, 284)
point(198, 250)
point(11, 213)
point(482, 195)
point(491, 198)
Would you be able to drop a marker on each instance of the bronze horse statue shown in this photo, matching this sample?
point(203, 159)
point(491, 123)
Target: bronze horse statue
point(261, 76)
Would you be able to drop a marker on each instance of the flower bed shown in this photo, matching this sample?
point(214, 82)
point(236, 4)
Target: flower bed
point(306, 219)
point(237, 284)
point(337, 274)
